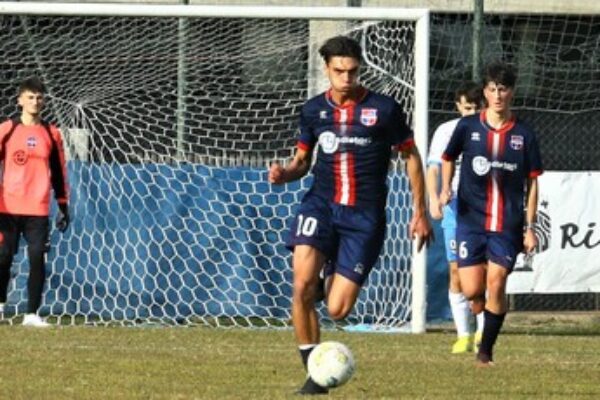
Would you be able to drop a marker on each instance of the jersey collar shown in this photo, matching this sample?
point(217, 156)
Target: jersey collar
point(507, 126)
point(361, 93)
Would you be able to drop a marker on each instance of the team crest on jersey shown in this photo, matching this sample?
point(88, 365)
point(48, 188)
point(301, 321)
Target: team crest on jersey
point(368, 116)
point(31, 142)
point(516, 142)
point(323, 114)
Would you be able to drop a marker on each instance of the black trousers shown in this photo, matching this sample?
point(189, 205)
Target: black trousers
point(35, 230)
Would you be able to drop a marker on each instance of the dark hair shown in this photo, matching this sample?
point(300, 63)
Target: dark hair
point(500, 72)
point(32, 84)
point(340, 46)
point(471, 91)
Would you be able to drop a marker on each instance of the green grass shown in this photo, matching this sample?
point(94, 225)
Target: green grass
point(548, 358)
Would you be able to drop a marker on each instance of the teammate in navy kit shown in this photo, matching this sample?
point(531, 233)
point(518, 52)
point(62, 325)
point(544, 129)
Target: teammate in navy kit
point(467, 99)
point(342, 216)
point(498, 179)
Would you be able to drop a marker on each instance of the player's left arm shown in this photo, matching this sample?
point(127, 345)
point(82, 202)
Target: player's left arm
point(529, 239)
point(58, 176)
point(419, 227)
point(534, 169)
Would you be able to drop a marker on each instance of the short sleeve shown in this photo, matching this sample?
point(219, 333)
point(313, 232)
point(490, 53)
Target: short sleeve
point(306, 137)
point(534, 158)
point(456, 142)
point(402, 136)
point(440, 139)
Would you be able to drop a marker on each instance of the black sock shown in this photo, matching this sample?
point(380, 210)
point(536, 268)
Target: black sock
point(491, 328)
point(37, 276)
point(304, 353)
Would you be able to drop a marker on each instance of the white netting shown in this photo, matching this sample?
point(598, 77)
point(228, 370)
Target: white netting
point(170, 124)
point(558, 87)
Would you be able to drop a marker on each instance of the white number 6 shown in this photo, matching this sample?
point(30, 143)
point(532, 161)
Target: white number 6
point(463, 252)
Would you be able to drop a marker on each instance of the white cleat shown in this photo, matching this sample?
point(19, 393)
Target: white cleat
point(35, 321)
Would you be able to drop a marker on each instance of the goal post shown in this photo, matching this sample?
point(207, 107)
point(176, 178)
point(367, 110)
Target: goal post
point(170, 114)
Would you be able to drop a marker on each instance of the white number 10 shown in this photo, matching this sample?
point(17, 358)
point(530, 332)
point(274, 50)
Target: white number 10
point(306, 226)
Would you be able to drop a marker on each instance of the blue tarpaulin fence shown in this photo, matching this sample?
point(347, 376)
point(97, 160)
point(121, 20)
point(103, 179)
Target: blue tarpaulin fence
point(156, 241)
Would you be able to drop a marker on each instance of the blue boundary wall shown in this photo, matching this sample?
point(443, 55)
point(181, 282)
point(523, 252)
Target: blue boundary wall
point(153, 240)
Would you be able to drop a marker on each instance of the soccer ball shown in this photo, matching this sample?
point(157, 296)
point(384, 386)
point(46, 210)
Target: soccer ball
point(331, 364)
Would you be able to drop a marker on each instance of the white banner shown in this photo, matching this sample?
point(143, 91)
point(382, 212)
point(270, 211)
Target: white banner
point(568, 255)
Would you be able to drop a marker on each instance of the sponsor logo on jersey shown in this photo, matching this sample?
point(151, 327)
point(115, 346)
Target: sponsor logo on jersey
point(516, 142)
point(31, 142)
point(475, 136)
point(330, 143)
point(323, 114)
point(368, 116)
point(482, 166)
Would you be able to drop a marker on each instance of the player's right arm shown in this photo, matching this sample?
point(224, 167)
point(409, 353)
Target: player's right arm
point(447, 174)
point(453, 150)
point(296, 169)
point(434, 165)
point(435, 208)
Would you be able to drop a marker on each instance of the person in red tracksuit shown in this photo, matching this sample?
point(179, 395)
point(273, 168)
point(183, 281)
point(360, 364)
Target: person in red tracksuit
point(33, 164)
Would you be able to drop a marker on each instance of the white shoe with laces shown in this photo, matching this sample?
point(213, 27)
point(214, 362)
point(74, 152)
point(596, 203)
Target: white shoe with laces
point(35, 321)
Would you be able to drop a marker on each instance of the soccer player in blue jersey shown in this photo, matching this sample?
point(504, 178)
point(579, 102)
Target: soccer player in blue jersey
point(497, 199)
point(467, 99)
point(342, 217)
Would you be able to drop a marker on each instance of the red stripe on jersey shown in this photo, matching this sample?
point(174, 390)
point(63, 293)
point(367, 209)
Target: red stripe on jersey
point(345, 179)
point(351, 180)
point(495, 200)
point(337, 176)
point(488, 204)
point(535, 173)
point(337, 116)
point(490, 181)
point(500, 207)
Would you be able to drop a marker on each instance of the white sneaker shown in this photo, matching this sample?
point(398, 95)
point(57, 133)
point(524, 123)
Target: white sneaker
point(35, 321)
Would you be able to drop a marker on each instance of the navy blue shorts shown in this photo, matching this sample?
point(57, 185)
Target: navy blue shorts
point(350, 236)
point(477, 247)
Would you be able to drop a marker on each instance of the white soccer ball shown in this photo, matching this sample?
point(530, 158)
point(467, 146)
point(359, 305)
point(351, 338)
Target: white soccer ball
point(331, 364)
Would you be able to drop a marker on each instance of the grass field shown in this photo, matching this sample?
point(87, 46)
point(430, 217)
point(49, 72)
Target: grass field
point(550, 357)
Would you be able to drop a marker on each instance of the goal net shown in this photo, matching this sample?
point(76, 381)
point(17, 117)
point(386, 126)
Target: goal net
point(171, 115)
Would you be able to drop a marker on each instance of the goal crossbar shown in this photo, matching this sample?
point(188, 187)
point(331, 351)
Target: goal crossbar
point(419, 16)
point(229, 11)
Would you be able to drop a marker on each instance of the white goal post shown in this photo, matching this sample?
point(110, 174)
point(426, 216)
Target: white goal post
point(170, 114)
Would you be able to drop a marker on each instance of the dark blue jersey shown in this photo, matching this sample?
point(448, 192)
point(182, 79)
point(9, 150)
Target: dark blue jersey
point(355, 144)
point(495, 167)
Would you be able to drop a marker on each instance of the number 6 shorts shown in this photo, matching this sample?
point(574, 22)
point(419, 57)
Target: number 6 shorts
point(479, 247)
